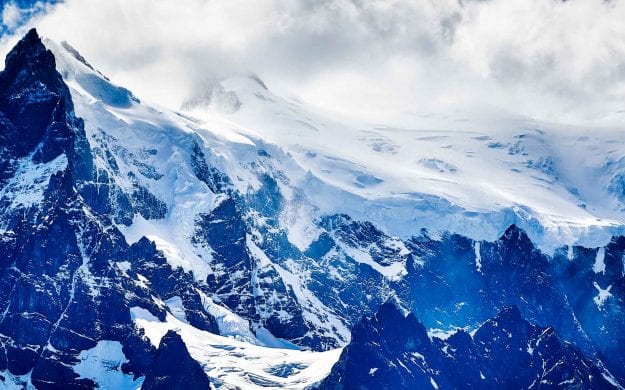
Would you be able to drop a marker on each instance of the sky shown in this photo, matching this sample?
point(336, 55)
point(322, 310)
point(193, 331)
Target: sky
point(377, 60)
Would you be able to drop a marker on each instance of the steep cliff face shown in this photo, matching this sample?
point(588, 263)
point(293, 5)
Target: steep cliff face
point(122, 225)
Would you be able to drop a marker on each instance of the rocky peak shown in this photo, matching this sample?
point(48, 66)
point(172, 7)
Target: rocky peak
point(35, 105)
point(30, 54)
point(186, 373)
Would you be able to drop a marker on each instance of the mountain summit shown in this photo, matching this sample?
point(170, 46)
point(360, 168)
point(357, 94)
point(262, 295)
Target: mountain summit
point(35, 103)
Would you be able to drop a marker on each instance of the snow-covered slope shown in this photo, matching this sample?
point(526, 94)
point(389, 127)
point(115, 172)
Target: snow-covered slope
point(471, 173)
point(238, 364)
point(188, 173)
point(108, 201)
point(474, 175)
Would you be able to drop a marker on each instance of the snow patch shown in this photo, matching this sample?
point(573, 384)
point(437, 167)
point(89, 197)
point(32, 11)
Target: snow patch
point(608, 377)
point(298, 219)
point(603, 295)
point(271, 341)
point(599, 266)
point(478, 256)
point(16, 382)
point(124, 266)
point(395, 271)
point(229, 323)
point(177, 248)
point(441, 334)
point(26, 188)
point(103, 364)
point(177, 308)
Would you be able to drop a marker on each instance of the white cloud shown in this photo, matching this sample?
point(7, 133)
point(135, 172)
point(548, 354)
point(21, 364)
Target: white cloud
point(563, 61)
point(11, 15)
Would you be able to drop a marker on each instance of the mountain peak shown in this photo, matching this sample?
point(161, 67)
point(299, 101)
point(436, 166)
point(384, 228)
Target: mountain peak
point(30, 51)
point(31, 36)
point(35, 103)
point(30, 64)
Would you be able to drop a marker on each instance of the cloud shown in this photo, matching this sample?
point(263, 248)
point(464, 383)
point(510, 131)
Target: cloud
point(16, 13)
point(562, 61)
point(11, 16)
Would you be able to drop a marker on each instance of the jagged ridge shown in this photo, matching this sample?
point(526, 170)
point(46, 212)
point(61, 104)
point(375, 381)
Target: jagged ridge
point(393, 351)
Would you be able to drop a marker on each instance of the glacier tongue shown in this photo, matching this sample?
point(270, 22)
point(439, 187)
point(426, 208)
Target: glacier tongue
point(240, 364)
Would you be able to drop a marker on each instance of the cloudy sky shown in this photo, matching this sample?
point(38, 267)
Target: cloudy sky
point(545, 59)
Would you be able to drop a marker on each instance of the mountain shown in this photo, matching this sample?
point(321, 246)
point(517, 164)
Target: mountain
point(471, 173)
point(393, 351)
point(135, 239)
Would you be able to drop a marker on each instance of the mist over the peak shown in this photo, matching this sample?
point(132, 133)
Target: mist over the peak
point(547, 59)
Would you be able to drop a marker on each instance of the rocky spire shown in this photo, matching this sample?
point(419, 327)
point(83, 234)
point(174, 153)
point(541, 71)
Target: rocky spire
point(36, 110)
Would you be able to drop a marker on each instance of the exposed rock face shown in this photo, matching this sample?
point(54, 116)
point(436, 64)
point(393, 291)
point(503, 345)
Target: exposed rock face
point(173, 368)
point(393, 351)
point(35, 104)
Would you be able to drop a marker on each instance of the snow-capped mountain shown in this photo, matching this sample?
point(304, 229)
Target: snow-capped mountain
point(244, 239)
point(469, 173)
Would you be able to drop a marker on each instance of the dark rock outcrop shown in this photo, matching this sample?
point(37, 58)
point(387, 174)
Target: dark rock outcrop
point(173, 368)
